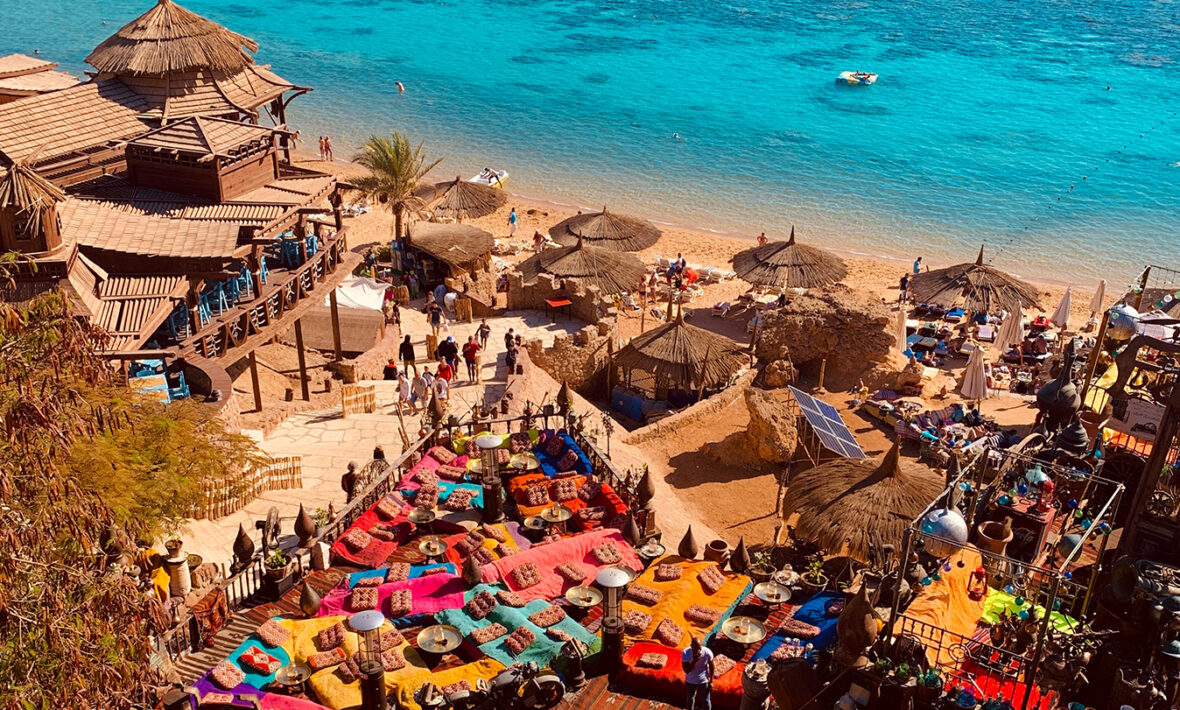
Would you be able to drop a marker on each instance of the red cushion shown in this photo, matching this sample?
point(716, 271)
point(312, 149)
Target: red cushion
point(668, 682)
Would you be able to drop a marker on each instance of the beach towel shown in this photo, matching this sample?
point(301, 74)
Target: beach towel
point(431, 593)
point(514, 542)
point(415, 571)
point(549, 462)
point(814, 612)
point(547, 558)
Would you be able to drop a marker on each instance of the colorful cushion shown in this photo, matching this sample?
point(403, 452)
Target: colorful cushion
point(362, 598)
point(487, 633)
point(565, 490)
point(592, 513)
point(510, 598)
point(607, 554)
point(667, 572)
point(387, 508)
point(644, 594)
point(426, 478)
point(273, 633)
point(505, 551)
point(785, 651)
point(401, 602)
point(548, 616)
point(369, 582)
point(459, 686)
point(669, 633)
point(427, 497)
point(711, 579)
point(482, 556)
point(469, 542)
point(722, 665)
point(568, 460)
point(503, 458)
point(350, 669)
point(459, 500)
point(357, 539)
point(451, 473)
point(590, 490)
point(519, 442)
point(557, 634)
point(634, 621)
point(555, 446)
point(326, 659)
point(536, 495)
point(397, 572)
point(526, 575)
point(441, 454)
point(496, 533)
point(480, 605)
point(702, 615)
point(391, 639)
point(799, 629)
point(653, 660)
point(383, 531)
point(227, 675)
point(330, 637)
point(216, 699)
point(572, 572)
point(470, 448)
point(392, 660)
point(519, 640)
point(260, 661)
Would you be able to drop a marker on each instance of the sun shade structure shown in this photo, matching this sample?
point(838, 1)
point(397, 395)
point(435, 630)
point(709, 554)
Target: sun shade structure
point(169, 38)
point(789, 265)
point(21, 188)
point(850, 505)
point(457, 245)
point(459, 199)
point(611, 271)
point(607, 230)
point(978, 287)
point(683, 355)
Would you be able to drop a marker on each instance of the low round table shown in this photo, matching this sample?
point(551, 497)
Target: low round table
point(772, 593)
point(432, 546)
point(583, 597)
point(439, 639)
point(556, 515)
point(743, 630)
point(292, 678)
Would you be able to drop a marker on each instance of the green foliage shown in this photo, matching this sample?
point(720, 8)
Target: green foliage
point(760, 559)
point(815, 570)
point(321, 517)
point(278, 560)
point(396, 170)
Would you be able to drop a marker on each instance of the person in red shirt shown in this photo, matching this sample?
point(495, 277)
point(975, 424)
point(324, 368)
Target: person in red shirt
point(445, 371)
point(471, 357)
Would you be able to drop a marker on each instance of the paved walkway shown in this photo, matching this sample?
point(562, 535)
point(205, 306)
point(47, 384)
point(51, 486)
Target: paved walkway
point(327, 442)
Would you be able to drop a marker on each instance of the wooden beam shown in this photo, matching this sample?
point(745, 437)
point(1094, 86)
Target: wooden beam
point(302, 360)
point(336, 325)
point(254, 381)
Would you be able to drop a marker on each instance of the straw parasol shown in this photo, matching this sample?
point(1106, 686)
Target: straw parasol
point(455, 244)
point(683, 354)
point(1060, 317)
point(611, 271)
point(981, 288)
point(1011, 331)
point(856, 504)
point(26, 192)
point(459, 199)
point(168, 38)
point(974, 378)
point(1099, 297)
point(606, 229)
point(789, 265)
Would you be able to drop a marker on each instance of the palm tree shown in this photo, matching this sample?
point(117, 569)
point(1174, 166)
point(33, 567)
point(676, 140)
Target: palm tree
point(395, 174)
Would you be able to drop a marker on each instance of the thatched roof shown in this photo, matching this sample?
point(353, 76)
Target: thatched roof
point(977, 286)
point(788, 265)
point(860, 502)
point(21, 187)
point(606, 229)
point(611, 271)
point(456, 244)
point(169, 38)
point(459, 199)
point(683, 354)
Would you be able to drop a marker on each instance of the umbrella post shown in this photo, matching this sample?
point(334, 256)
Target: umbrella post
point(1093, 363)
point(823, 366)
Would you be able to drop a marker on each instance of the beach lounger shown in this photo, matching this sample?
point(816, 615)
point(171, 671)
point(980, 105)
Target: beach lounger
point(954, 315)
point(721, 309)
point(986, 333)
point(663, 262)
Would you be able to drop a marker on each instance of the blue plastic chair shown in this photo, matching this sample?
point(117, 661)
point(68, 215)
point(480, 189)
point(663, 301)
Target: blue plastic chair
point(289, 253)
point(245, 284)
point(262, 270)
point(313, 244)
point(204, 312)
point(178, 321)
point(180, 391)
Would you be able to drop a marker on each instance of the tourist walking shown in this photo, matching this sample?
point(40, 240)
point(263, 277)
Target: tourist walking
point(449, 351)
point(405, 351)
point(445, 371)
point(697, 662)
point(903, 288)
point(322, 152)
point(471, 359)
point(434, 314)
point(389, 372)
point(509, 339)
point(643, 291)
point(328, 154)
point(419, 389)
point(484, 331)
point(512, 223)
point(404, 395)
point(442, 391)
point(510, 359)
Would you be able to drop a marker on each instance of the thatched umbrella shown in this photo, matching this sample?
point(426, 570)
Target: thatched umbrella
point(611, 271)
point(980, 287)
point(683, 355)
point(25, 192)
point(860, 503)
point(168, 38)
point(606, 229)
point(455, 244)
point(459, 199)
point(788, 265)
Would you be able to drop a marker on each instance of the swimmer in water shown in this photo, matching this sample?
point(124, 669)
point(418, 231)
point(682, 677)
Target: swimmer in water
point(400, 89)
point(676, 136)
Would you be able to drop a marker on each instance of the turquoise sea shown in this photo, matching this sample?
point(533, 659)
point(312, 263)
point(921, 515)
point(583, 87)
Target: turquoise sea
point(1046, 129)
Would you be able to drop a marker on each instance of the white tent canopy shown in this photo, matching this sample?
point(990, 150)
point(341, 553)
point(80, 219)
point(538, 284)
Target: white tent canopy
point(359, 292)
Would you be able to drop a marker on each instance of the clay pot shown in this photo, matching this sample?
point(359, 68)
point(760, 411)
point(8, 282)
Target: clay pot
point(717, 551)
point(813, 585)
point(992, 538)
point(760, 573)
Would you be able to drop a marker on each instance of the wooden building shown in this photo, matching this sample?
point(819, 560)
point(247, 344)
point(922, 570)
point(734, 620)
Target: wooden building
point(22, 75)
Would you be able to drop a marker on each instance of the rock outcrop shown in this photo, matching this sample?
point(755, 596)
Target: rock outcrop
point(849, 330)
point(772, 433)
point(779, 373)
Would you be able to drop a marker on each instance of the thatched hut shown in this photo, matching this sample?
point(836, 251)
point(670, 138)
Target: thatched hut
point(789, 265)
point(850, 505)
point(979, 288)
point(607, 230)
point(679, 356)
point(28, 211)
point(611, 271)
point(449, 250)
point(459, 199)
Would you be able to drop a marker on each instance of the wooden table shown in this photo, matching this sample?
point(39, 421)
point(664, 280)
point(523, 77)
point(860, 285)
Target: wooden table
point(557, 305)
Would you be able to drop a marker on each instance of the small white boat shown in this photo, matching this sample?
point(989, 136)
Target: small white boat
point(491, 178)
point(856, 78)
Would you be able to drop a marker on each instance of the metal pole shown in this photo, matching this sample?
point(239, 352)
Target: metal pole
point(1031, 673)
point(336, 325)
point(895, 603)
point(1092, 365)
point(1142, 287)
point(254, 380)
point(302, 360)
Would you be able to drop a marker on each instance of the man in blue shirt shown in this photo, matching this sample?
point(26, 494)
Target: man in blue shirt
point(697, 662)
point(918, 265)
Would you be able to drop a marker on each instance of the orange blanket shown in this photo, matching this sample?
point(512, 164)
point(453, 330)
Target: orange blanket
point(681, 594)
point(944, 605)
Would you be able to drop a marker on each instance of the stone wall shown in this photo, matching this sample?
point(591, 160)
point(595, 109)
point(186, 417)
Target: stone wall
point(707, 408)
point(586, 304)
point(480, 287)
point(579, 360)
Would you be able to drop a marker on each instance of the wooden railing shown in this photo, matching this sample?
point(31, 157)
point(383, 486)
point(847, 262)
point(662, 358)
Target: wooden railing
point(252, 319)
point(279, 474)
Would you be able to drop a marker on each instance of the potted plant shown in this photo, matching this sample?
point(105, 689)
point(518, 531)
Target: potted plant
point(903, 675)
point(321, 517)
point(814, 580)
point(760, 569)
point(930, 685)
point(278, 564)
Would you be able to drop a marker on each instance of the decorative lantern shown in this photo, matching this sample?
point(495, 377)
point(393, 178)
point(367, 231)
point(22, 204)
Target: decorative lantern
point(1122, 322)
point(977, 585)
point(493, 507)
point(368, 624)
point(947, 530)
point(1045, 497)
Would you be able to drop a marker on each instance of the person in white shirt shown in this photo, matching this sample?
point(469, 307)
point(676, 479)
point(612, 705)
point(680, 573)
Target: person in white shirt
point(404, 394)
point(697, 662)
point(441, 392)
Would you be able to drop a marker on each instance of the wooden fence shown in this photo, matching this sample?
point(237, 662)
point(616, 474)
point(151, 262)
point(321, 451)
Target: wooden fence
point(358, 399)
point(279, 474)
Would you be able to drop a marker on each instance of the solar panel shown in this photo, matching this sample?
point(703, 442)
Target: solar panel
point(828, 426)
